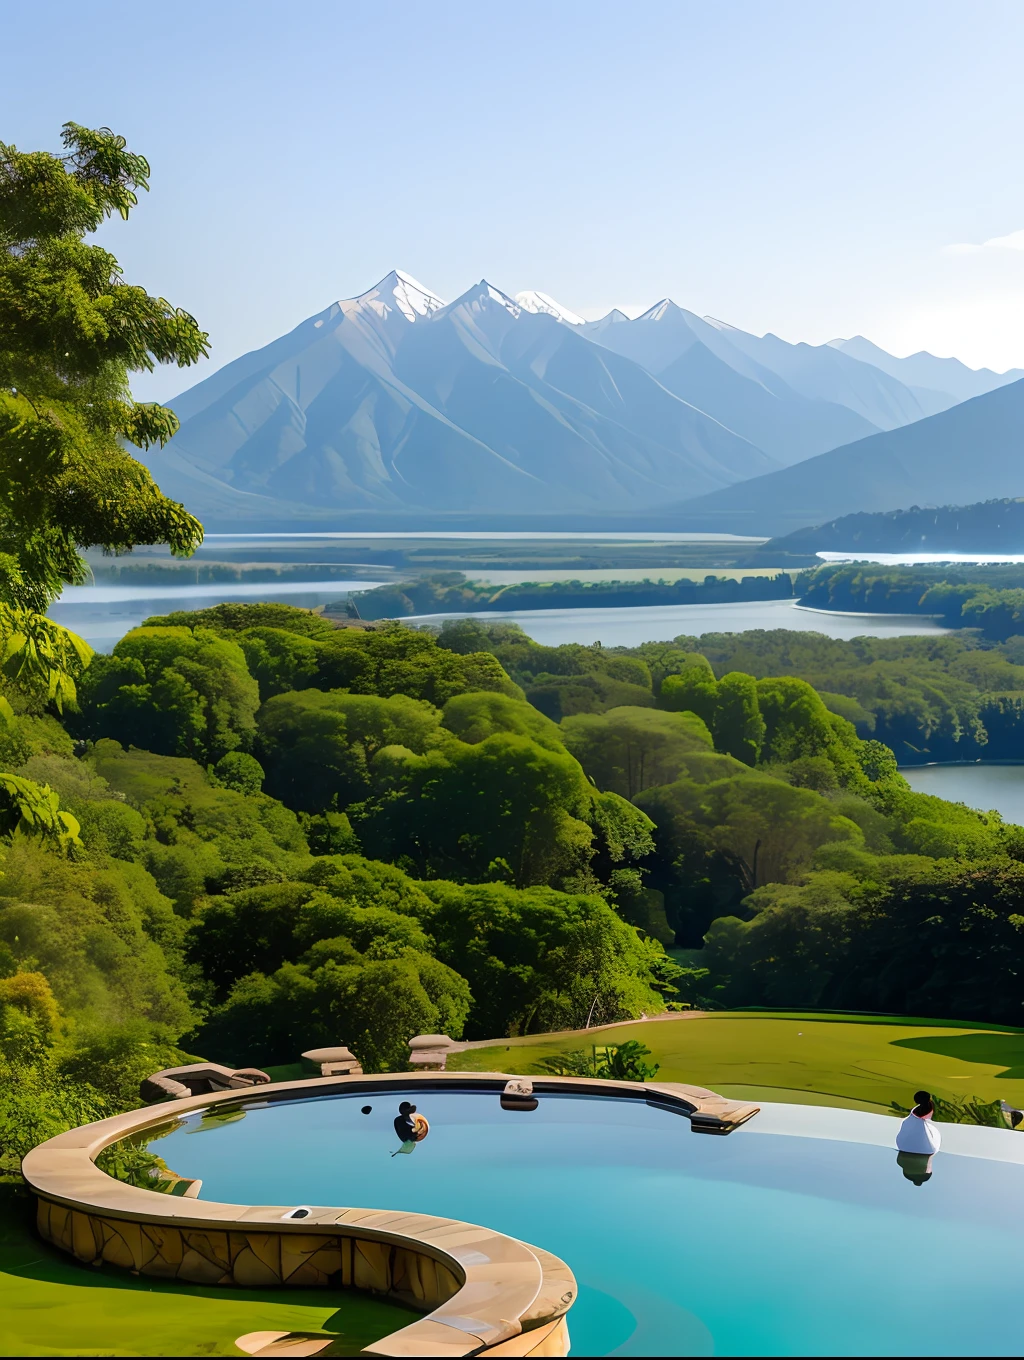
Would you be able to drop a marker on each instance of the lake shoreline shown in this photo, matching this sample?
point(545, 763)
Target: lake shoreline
point(958, 764)
point(985, 785)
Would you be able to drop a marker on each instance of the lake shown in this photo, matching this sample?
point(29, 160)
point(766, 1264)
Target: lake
point(104, 613)
point(980, 786)
point(660, 623)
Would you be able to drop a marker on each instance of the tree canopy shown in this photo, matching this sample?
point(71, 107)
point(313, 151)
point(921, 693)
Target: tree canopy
point(72, 330)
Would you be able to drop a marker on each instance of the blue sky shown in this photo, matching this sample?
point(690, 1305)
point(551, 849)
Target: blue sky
point(814, 169)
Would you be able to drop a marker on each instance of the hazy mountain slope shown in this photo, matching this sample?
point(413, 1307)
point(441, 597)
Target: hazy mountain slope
point(791, 428)
point(925, 370)
point(394, 400)
point(560, 359)
point(972, 452)
point(824, 373)
point(702, 362)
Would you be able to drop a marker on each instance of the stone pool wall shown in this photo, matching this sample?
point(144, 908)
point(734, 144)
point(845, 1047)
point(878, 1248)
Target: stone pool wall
point(250, 1259)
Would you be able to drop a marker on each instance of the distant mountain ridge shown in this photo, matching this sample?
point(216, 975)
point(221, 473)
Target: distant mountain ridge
point(926, 371)
point(398, 402)
point(972, 452)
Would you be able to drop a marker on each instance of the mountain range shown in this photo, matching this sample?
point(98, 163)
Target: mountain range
point(395, 401)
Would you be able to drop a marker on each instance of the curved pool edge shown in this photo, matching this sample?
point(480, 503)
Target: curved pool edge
point(482, 1291)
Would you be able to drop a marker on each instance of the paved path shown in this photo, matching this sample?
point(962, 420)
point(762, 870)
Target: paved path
point(573, 1033)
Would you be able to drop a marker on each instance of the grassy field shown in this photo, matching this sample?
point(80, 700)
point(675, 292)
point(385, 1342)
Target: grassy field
point(51, 1305)
point(863, 1064)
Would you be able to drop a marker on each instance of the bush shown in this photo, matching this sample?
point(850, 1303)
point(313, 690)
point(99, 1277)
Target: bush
point(608, 1062)
point(240, 772)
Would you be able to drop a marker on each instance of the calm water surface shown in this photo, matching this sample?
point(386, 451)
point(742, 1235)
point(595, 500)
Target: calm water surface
point(979, 786)
point(102, 614)
point(661, 623)
point(769, 1242)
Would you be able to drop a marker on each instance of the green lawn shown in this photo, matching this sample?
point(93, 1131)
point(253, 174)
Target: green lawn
point(809, 1059)
point(51, 1305)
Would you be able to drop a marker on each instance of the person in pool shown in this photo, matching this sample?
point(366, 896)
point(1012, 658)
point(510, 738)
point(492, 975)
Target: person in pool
point(411, 1127)
point(918, 1133)
point(405, 1124)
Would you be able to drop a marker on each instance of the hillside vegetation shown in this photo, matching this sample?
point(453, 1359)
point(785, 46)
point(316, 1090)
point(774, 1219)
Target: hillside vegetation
point(989, 598)
point(986, 527)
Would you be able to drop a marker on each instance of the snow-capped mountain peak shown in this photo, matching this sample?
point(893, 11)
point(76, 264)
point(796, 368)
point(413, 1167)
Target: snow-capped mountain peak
point(399, 292)
point(666, 307)
point(484, 292)
point(532, 301)
point(412, 298)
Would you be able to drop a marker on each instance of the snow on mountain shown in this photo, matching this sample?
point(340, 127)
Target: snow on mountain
point(532, 301)
point(511, 305)
point(397, 291)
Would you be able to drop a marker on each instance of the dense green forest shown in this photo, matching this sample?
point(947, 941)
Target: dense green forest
point(941, 697)
point(452, 593)
point(989, 598)
point(932, 698)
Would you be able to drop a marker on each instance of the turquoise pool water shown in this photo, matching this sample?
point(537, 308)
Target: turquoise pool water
point(757, 1243)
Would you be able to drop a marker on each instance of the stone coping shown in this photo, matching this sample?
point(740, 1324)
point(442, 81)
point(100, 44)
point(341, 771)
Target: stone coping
point(506, 1285)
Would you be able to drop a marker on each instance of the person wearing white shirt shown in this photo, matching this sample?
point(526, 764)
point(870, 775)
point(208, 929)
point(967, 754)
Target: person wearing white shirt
point(918, 1132)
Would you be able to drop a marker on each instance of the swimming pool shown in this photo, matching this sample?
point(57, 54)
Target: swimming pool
point(797, 1234)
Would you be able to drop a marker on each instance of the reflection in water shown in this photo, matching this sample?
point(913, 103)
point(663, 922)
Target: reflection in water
point(916, 1166)
point(217, 1118)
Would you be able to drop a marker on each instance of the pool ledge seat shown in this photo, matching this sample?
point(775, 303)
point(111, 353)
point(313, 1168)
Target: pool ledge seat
point(708, 1111)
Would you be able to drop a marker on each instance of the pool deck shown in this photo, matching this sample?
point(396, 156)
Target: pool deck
point(879, 1130)
point(482, 1292)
